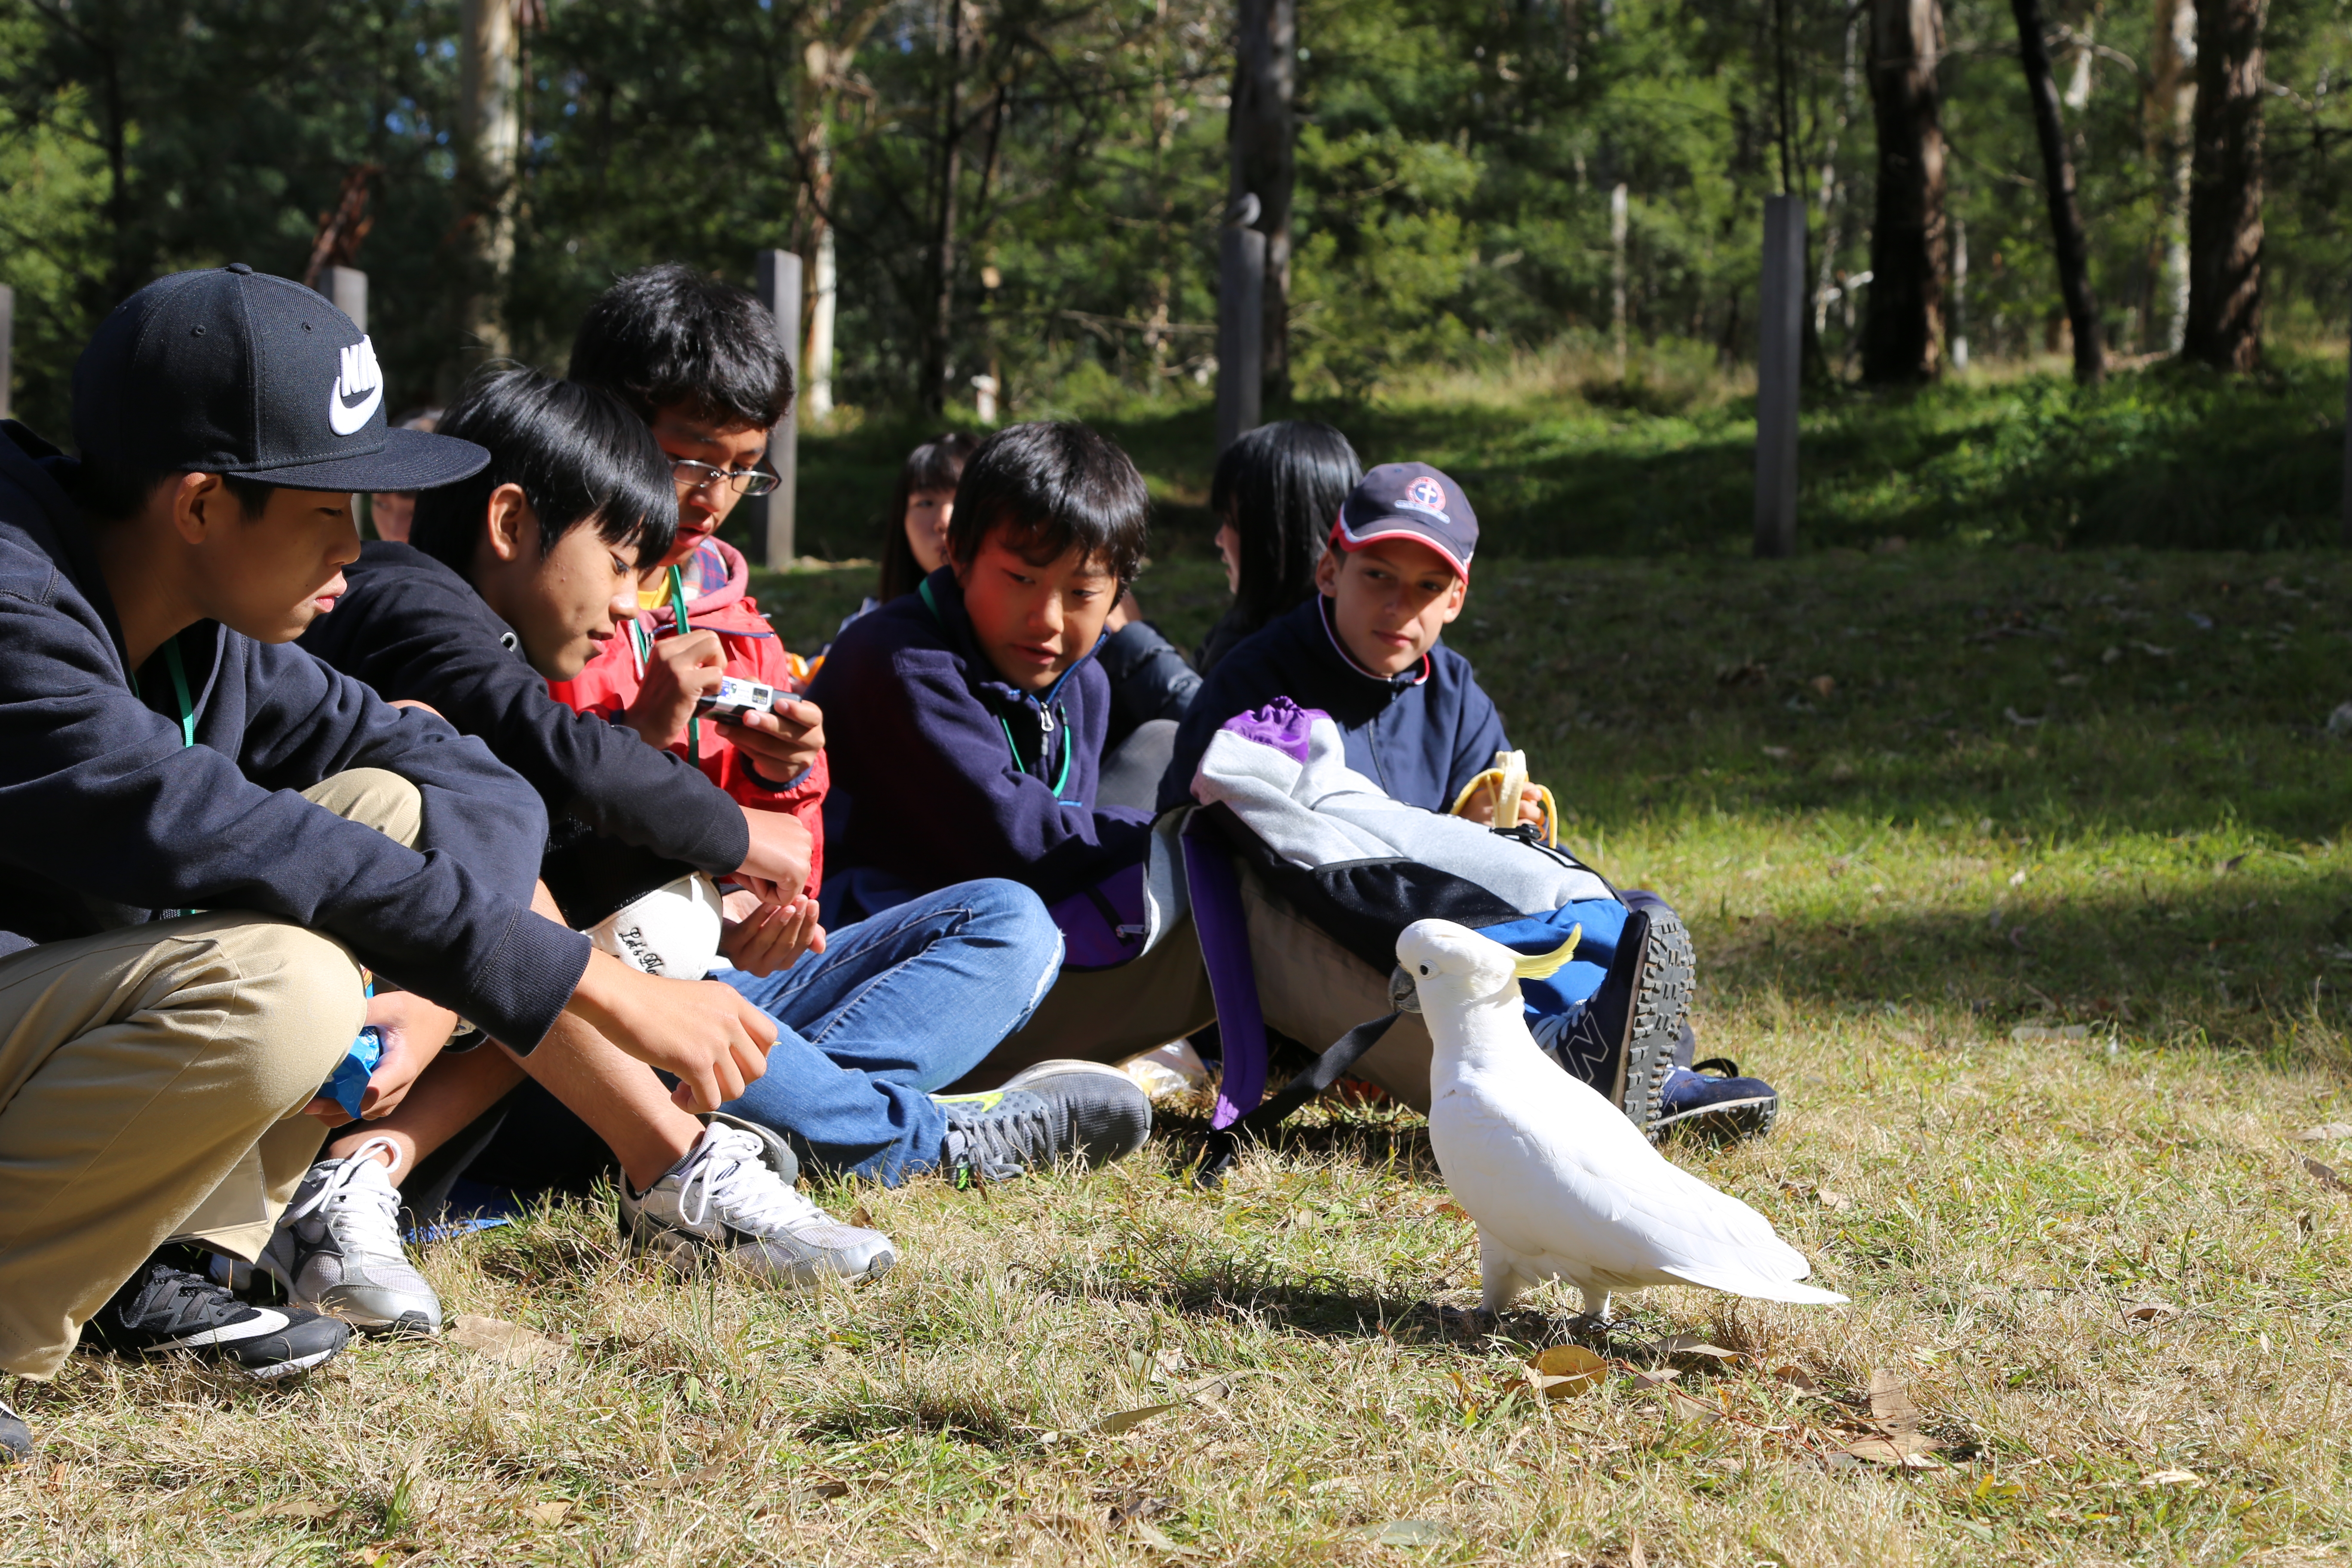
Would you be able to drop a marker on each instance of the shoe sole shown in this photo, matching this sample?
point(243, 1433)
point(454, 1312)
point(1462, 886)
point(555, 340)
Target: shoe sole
point(288, 1368)
point(1739, 1118)
point(1662, 990)
point(1060, 1067)
point(689, 1257)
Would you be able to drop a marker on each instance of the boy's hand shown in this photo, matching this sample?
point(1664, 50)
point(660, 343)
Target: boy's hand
point(1530, 807)
point(700, 1031)
point(680, 671)
point(1481, 805)
point(776, 868)
point(413, 1031)
point(782, 744)
point(761, 939)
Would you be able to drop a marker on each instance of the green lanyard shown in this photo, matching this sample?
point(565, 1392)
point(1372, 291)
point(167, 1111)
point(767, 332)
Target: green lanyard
point(179, 689)
point(677, 609)
point(1046, 742)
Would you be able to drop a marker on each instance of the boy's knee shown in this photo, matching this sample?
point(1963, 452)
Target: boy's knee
point(374, 798)
point(301, 1001)
point(1010, 913)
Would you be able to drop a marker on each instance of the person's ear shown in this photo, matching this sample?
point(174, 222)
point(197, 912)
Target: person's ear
point(508, 520)
point(1326, 573)
point(1455, 597)
point(199, 505)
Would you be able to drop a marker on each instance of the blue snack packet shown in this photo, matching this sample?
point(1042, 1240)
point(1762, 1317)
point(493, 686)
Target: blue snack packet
point(351, 1074)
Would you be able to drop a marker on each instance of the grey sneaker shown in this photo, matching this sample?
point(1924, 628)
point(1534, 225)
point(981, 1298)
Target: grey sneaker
point(16, 1437)
point(336, 1249)
point(1043, 1115)
point(732, 1196)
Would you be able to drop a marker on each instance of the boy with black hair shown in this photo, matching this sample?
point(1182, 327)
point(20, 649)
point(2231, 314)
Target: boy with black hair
point(167, 753)
point(980, 717)
point(1367, 650)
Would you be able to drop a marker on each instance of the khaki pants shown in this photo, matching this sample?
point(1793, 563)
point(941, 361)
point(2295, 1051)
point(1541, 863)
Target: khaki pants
point(152, 1081)
point(1108, 1015)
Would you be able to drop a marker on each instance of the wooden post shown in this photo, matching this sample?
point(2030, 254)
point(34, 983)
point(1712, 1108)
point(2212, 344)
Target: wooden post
point(1240, 327)
point(347, 287)
point(780, 290)
point(7, 346)
point(1780, 342)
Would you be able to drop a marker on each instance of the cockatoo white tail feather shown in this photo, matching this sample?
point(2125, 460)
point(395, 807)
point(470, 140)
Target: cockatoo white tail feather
point(1561, 1185)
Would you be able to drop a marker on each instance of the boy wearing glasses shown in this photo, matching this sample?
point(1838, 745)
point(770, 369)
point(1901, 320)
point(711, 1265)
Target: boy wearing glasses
point(701, 363)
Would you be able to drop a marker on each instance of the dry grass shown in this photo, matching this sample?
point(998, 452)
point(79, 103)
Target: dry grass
point(2167, 869)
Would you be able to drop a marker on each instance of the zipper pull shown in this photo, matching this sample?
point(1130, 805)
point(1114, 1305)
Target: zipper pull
point(1045, 720)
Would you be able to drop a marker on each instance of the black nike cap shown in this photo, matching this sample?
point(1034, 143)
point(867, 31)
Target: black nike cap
point(229, 370)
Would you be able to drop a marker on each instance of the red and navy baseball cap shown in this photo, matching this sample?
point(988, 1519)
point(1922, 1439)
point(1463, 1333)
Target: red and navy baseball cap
point(1409, 501)
point(229, 370)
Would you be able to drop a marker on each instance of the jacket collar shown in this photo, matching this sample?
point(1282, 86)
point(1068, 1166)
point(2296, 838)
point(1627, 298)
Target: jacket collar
point(1403, 681)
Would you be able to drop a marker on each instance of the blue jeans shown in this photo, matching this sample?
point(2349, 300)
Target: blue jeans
point(897, 1006)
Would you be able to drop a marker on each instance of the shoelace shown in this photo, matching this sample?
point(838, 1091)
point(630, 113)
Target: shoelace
point(995, 1142)
point(731, 1176)
point(174, 1298)
point(346, 1189)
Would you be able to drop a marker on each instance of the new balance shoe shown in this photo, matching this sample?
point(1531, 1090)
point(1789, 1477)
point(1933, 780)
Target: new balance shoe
point(1624, 1043)
point(732, 1197)
point(336, 1249)
point(1043, 1115)
point(168, 1309)
point(1720, 1105)
point(16, 1437)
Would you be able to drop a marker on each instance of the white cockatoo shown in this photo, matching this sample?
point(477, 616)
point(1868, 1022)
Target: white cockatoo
point(1562, 1187)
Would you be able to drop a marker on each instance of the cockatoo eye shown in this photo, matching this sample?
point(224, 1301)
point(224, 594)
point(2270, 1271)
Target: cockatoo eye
point(1424, 969)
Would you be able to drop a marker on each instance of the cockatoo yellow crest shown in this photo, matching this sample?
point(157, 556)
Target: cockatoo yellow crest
point(1561, 1185)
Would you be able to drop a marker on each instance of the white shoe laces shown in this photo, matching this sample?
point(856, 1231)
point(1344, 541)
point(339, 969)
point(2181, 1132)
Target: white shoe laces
point(352, 1191)
point(729, 1174)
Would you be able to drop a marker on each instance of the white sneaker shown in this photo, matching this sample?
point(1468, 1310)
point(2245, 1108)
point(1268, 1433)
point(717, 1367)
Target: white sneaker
point(732, 1196)
point(337, 1247)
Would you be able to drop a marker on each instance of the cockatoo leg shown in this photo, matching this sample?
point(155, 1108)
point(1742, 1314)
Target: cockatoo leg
point(1596, 1303)
point(1497, 1276)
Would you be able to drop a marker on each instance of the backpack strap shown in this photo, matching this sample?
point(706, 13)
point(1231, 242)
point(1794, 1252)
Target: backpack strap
point(1224, 1143)
point(1223, 931)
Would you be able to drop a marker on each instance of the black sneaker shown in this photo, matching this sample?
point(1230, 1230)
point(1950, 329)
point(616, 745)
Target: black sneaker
point(16, 1437)
point(1719, 1105)
point(1624, 1043)
point(167, 1307)
point(1044, 1114)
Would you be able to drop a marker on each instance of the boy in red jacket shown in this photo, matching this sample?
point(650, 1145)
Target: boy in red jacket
point(700, 362)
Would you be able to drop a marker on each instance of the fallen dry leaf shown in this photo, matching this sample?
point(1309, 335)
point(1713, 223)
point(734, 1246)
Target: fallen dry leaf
point(502, 1341)
point(829, 1488)
point(1796, 1377)
point(547, 1512)
point(1683, 1407)
point(861, 1217)
point(2149, 1311)
point(2326, 1174)
point(1905, 1450)
point(2174, 1478)
point(1890, 1402)
point(1656, 1377)
point(688, 1479)
point(2326, 1132)
point(1563, 1372)
point(1691, 1345)
point(1451, 1210)
point(1119, 1421)
point(292, 1508)
point(1152, 1535)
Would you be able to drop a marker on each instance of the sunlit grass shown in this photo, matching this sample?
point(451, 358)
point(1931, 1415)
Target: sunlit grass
point(2050, 997)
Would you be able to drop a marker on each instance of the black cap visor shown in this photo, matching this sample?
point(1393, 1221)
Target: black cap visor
point(409, 460)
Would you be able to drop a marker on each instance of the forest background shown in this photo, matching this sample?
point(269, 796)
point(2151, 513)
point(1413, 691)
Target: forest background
point(1524, 236)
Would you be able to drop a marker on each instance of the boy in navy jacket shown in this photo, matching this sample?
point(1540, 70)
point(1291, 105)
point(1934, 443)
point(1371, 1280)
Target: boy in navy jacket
point(966, 723)
point(1366, 650)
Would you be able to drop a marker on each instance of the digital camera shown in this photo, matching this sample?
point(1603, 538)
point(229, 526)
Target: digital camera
point(736, 698)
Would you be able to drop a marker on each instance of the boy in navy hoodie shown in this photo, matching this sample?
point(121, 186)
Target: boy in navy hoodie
point(1366, 650)
point(965, 725)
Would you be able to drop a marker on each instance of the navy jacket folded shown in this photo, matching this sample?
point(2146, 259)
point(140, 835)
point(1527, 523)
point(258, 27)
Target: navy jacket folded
point(111, 820)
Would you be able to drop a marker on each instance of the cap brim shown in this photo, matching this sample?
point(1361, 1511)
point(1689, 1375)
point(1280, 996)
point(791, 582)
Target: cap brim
point(1396, 526)
point(410, 461)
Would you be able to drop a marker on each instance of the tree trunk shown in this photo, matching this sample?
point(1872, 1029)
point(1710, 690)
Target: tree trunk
point(1904, 333)
point(2072, 249)
point(1261, 127)
point(2225, 189)
point(2165, 113)
point(488, 128)
point(942, 325)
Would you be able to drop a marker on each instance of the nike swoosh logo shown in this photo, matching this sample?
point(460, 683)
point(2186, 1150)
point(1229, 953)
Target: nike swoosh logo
point(263, 1321)
point(343, 420)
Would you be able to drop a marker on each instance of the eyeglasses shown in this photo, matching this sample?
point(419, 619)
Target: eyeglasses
point(694, 476)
